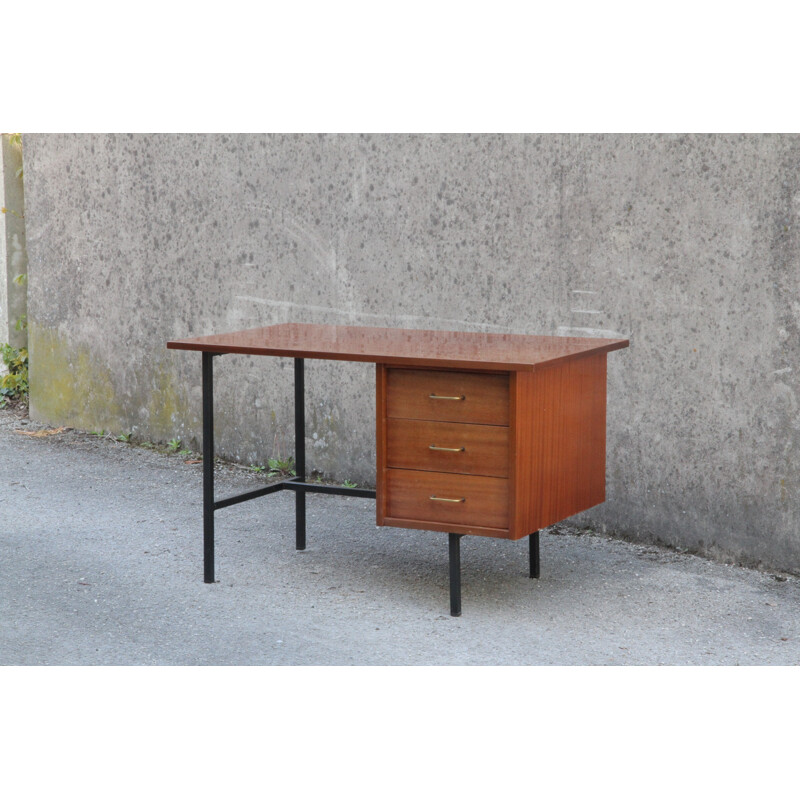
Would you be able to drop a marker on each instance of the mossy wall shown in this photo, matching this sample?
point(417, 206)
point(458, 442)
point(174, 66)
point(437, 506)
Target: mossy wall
point(74, 386)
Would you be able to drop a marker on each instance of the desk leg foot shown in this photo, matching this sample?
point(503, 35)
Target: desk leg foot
point(533, 543)
point(300, 520)
point(455, 574)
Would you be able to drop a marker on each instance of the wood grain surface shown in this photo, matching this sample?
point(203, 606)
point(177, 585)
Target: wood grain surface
point(479, 449)
point(451, 349)
point(558, 442)
point(409, 492)
point(485, 396)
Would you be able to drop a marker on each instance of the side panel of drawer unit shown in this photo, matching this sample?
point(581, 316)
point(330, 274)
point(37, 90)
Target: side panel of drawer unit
point(447, 396)
point(559, 441)
point(447, 447)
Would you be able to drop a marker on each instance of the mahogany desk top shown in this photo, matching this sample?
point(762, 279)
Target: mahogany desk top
point(397, 346)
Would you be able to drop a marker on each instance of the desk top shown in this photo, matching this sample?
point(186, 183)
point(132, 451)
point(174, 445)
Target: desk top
point(446, 349)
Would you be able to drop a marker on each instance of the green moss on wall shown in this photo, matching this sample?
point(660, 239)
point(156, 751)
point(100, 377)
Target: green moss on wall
point(68, 385)
point(167, 406)
point(72, 386)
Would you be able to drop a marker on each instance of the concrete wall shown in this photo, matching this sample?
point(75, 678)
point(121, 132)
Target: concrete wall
point(686, 244)
point(13, 258)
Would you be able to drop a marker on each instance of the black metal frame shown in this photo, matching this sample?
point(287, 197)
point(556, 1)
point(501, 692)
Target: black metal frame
point(300, 451)
point(454, 552)
point(533, 554)
point(208, 467)
point(300, 486)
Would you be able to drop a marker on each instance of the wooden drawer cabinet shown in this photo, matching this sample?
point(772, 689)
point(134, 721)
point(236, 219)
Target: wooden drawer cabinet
point(446, 457)
point(488, 453)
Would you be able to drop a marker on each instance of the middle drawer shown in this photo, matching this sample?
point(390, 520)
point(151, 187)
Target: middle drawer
point(447, 447)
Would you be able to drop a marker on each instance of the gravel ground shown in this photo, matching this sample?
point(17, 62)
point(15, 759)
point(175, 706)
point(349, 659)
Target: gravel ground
point(101, 563)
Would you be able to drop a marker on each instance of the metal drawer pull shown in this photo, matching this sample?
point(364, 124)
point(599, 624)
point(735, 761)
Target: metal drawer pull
point(443, 397)
point(446, 449)
point(448, 499)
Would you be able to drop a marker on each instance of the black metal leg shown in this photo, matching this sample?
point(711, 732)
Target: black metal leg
point(208, 468)
point(533, 543)
point(300, 452)
point(455, 573)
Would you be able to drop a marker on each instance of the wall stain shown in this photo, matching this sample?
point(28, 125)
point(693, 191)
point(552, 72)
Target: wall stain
point(71, 385)
point(68, 385)
point(169, 414)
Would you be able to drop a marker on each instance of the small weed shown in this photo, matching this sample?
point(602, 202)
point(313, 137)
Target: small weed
point(184, 452)
point(174, 445)
point(281, 466)
point(148, 445)
point(101, 432)
point(257, 468)
point(349, 485)
point(125, 437)
point(14, 385)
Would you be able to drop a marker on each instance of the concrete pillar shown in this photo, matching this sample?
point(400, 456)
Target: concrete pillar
point(13, 254)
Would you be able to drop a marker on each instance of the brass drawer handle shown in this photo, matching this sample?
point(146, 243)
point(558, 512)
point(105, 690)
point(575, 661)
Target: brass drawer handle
point(448, 499)
point(443, 397)
point(446, 449)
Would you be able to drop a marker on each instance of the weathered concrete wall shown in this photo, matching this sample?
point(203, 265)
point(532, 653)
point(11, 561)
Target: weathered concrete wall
point(686, 244)
point(13, 258)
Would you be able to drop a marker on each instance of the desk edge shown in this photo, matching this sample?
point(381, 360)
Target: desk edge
point(399, 361)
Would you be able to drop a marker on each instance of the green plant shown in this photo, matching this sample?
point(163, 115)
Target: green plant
point(125, 437)
point(349, 485)
point(184, 452)
point(174, 445)
point(14, 385)
point(257, 468)
point(101, 432)
point(281, 466)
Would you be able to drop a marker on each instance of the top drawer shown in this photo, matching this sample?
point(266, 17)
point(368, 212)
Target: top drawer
point(447, 396)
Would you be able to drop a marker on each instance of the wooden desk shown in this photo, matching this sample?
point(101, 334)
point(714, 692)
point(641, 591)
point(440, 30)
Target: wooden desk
point(477, 433)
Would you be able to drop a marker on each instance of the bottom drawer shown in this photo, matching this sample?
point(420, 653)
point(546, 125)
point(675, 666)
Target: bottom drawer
point(447, 498)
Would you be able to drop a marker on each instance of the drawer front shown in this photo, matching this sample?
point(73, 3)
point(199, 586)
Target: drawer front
point(447, 396)
point(463, 499)
point(447, 447)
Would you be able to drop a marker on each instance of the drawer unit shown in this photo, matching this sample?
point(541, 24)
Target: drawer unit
point(447, 447)
point(438, 497)
point(447, 396)
point(533, 446)
point(445, 450)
